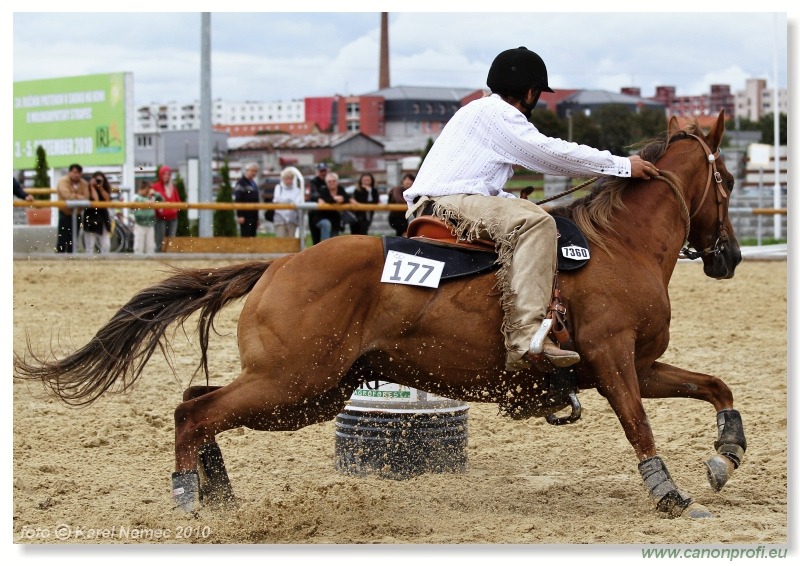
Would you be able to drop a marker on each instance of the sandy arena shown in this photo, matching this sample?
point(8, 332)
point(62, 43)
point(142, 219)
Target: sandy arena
point(101, 474)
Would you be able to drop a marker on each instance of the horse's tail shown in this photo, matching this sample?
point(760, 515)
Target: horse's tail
point(121, 348)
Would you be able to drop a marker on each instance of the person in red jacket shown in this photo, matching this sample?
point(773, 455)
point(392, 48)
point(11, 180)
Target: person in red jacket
point(166, 218)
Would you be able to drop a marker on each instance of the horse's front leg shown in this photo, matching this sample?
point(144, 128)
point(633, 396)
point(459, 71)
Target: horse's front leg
point(668, 381)
point(618, 383)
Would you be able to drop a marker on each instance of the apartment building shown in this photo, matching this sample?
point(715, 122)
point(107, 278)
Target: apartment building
point(757, 100)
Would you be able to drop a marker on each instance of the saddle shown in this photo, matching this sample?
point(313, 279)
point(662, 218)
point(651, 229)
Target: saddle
point(572, 245)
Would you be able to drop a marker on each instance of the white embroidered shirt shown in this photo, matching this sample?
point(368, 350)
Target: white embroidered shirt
point(475, 152)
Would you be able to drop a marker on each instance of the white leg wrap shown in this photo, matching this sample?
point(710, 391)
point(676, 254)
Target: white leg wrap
point(186, 490)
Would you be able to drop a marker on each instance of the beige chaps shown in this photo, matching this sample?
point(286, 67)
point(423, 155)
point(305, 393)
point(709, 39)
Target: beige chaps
point(525, 237)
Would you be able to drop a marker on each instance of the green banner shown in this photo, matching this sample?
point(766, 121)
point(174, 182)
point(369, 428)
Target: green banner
point(75, 119)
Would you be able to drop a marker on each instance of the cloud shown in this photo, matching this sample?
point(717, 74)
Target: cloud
point(273, 56)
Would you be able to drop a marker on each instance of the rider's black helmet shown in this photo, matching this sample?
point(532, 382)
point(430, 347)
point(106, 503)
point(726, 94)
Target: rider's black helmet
point(514, 71)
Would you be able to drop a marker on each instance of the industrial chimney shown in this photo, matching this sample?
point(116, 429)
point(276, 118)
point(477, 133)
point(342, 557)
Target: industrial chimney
point(383, 79)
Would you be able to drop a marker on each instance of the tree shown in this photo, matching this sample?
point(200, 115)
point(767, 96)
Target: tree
point(616, 125)
point(549, 124)
point(425, 151)
point(745, 125)
point(584, 130)
point(184, 228)
point(651, 123)
point(41, 180)
point(767, 127)
point(225, 220)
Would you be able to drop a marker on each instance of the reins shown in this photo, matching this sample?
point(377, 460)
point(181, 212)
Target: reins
point(666, 176)
point(672, 182)
point(565, 193)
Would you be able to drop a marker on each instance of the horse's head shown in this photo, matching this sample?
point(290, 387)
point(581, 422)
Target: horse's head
point(707, 187)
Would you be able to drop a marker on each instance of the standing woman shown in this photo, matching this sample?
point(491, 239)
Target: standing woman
point(397, 219)
point(366, 192)
point(329, 222)
point(96, 221)
point(166, 218)
point(247, 191)
point(288, 191)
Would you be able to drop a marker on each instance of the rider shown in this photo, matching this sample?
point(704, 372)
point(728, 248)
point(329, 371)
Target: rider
point(463, 176)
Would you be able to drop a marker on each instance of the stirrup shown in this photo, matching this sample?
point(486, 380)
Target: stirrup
point(537, 342)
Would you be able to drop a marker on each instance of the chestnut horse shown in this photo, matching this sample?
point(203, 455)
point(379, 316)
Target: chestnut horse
point(317, 323)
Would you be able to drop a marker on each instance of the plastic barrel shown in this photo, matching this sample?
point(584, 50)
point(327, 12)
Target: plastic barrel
point(396, 432)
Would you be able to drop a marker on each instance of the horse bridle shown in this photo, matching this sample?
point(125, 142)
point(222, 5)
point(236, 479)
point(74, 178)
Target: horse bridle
point(721, 195)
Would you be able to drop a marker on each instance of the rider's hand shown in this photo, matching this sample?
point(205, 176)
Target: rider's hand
point(641, 169)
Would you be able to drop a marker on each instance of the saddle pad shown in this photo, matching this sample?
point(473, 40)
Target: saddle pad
point(569, 235)
point(457, 262)
point(461, 262)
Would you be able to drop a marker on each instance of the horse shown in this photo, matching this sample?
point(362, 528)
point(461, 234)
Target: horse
point(316, 324)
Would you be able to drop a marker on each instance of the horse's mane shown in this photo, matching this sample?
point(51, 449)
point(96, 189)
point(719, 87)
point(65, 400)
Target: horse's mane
point(594, 213)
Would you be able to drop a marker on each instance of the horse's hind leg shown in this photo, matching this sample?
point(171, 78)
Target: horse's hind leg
point(195, 391)
point(668, 381)
point(249, 402)
point(215, 486)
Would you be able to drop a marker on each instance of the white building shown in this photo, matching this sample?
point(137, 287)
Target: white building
point(175, 116)
point(756, 100)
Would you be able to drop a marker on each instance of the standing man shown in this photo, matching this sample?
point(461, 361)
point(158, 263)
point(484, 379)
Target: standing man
point(19, 192)
point(71, 187)
point(317, 187)
point(464, 174)
point(247, 191)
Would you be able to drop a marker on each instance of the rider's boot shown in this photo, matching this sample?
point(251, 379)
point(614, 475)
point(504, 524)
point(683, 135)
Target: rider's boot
point(541, 345)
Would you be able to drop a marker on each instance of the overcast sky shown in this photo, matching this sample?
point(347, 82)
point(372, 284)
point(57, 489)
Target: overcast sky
point(271, 56)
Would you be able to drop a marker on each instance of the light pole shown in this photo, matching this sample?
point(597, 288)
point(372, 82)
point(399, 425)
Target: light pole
point(204, 228)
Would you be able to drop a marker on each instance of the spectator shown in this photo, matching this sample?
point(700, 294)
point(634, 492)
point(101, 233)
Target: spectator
point(71, 187)
point(166, 218)
point(144, 239)
point(397, 218)
point(366, 192)
point(247, 191)
point(328, 222)
point(318, 183)
point(316, 186)
point(288, 191)
point(19, 192)
point(96, 221)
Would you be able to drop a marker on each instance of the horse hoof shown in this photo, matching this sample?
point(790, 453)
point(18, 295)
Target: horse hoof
point(719, 469)
point(186, 490)
point(697, 511)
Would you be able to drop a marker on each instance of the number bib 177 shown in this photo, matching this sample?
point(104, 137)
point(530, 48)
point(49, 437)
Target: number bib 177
point(407, 269)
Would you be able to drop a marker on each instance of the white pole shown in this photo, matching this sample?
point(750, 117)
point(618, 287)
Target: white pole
point(776, 191)
point(205, 193)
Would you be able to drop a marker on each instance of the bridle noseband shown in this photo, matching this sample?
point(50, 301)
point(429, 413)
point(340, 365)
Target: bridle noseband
point(721, 195)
